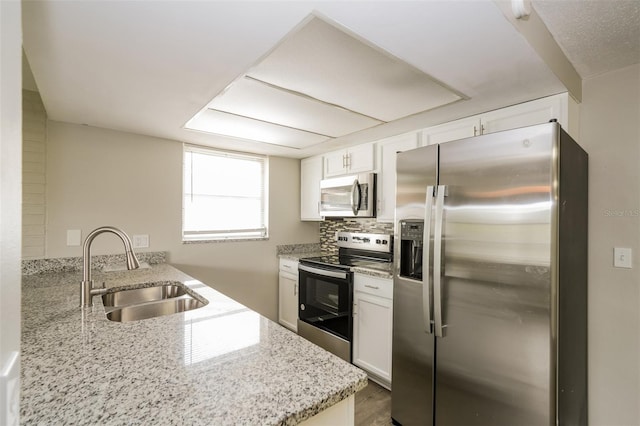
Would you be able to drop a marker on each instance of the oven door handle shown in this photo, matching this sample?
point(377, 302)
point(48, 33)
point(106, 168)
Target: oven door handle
point(323, 272)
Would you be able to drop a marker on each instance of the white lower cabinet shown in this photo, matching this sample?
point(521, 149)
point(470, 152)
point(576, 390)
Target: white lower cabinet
point(288, 294)
point(372, 326)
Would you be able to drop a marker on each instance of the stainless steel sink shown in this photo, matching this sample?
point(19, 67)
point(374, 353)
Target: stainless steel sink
point(162, 291)
point(135, 304)
point(156, 309)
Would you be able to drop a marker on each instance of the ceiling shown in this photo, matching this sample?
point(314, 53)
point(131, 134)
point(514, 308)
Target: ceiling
point(319, 83)
point(148, 67)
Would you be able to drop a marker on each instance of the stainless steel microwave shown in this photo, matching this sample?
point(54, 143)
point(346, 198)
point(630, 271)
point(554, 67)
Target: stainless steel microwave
point(348, 196)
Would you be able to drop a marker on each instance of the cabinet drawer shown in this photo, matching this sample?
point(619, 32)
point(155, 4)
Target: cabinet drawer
point(288, 265)
point(382, 287)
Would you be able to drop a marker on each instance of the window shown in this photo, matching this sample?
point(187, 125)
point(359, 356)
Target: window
point(224, 195)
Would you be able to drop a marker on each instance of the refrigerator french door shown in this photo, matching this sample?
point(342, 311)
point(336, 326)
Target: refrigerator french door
point(490, 281)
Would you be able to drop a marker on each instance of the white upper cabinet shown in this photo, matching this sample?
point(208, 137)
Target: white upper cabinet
point(459, 129)
point(526, 114)
point(310, 177)
point(387, 150)
point(356, 159)
point(362, 158)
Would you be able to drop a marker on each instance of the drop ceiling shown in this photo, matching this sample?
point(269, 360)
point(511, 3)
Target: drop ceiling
point(150, 67)
point(319, 83)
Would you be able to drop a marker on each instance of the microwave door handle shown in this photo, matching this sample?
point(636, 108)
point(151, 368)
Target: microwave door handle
point(355, 200)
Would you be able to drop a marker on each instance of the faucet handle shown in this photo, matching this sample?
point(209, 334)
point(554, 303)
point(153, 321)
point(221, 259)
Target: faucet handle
point(95, 291)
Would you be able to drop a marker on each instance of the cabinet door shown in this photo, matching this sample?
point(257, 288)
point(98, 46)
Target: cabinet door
point(335, 163)
point(388, 148)
point(310, 177)
point(459, 129)
point(357, 159)
point(527, 114)
point(372, 334)
point(361, 158)
point(288, 301)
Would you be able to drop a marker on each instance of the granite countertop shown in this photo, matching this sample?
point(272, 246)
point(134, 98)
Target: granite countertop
point(220, 364)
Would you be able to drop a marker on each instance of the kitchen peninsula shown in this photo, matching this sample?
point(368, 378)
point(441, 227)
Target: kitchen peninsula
point(220, 364)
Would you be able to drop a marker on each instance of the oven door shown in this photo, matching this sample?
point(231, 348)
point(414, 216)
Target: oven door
point(326, 300)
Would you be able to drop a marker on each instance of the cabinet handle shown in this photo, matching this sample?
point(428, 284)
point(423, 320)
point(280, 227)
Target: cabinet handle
point(295, 289)
point(482, 129)
point(344, 161)
point(375, 287)
point(475, 131)
point(349, 160)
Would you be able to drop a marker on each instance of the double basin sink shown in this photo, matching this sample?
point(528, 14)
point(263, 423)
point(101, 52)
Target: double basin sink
point(154, 300)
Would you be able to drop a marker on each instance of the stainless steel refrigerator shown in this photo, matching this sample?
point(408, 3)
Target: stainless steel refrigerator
point(490, 281)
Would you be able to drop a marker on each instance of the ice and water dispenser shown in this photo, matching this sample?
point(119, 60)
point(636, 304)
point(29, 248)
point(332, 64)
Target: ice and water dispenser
point(411, 236)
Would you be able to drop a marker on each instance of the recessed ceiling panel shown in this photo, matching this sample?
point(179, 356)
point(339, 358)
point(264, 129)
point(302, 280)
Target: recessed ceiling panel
point(251, 98)
point(226, 124)
point(328, 64)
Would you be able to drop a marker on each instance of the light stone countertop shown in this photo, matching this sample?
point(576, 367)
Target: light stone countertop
point(220, 364)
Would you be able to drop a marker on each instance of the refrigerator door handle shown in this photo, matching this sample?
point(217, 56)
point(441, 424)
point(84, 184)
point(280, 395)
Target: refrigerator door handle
point(437, 262)
point(426, 270)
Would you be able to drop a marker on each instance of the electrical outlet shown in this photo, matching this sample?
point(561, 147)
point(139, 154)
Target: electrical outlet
point(141, 241)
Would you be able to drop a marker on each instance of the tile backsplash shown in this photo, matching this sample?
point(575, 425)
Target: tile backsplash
point(330, 226)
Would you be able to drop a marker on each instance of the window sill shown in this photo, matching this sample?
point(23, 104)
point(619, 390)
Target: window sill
point(224, 240)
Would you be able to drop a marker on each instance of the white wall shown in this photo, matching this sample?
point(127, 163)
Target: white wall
point(10, 196)
point(610, 133)
point(102, 177)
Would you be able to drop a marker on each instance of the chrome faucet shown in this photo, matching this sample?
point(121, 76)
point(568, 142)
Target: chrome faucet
point(87, 291)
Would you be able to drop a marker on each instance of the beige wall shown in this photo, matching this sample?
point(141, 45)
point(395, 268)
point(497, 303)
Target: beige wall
point(610, 133)
point(101, 177)
point(34, 127)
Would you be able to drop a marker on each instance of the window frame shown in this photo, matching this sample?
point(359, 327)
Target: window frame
point(212, 235)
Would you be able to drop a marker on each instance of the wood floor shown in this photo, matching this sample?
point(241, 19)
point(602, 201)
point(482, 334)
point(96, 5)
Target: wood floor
point(373, 406)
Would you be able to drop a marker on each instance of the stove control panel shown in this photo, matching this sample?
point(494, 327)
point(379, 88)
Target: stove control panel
point(374, 242)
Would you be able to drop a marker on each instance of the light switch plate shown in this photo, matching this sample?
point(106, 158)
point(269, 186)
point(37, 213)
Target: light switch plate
point(74, 237)
point(622, 257)
point(141, 241)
